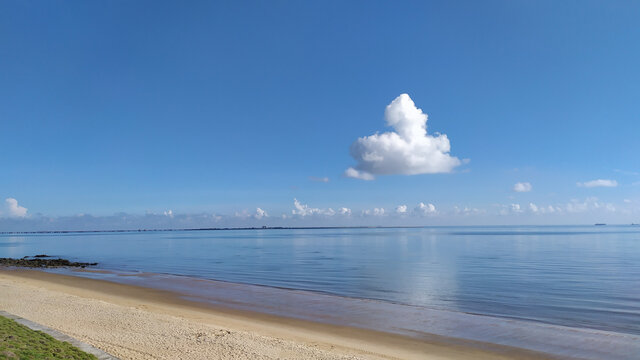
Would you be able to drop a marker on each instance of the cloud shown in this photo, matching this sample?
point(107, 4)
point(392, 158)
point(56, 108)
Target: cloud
point(535, 209)
point(319, 179)
point(168, 213)
point(401, 209)
point(373, 212)
point(356, 174)
point(260, 214)
point(516, 208)
point(589, 204)
point(408, 150)
point(522, 187)
point(468, 211)
point(425, 209)
point(304, 210)
point(13, 209)
point(598, 183)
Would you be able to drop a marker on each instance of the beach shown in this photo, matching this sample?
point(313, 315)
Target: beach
point(133, 322)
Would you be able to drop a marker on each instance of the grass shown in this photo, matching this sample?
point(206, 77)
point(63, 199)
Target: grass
point(19, 342)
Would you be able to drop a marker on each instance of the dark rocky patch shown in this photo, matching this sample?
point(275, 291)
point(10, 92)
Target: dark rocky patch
point(39, 262)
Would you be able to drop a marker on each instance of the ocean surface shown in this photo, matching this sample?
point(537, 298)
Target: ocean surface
point(579, 277)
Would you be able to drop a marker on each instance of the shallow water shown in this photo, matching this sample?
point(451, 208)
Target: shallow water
point(582, 277)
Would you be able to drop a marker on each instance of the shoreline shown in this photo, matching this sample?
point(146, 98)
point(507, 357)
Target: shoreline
point(386, 317)
point(296, 337)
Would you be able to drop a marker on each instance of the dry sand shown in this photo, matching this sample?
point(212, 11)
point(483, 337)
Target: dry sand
point(133, 322)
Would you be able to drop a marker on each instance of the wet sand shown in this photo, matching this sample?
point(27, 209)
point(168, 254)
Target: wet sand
point(133, 322)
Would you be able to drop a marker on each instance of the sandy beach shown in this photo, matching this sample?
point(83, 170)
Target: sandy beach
point(134, 322)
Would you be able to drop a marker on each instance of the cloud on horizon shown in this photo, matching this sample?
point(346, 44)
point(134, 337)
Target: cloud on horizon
point(576, 211)
point(587, 211)
point(408, 150)
point(303, 210)
point(425, 209)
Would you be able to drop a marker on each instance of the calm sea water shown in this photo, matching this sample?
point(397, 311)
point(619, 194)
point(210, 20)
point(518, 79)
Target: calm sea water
point(586, 277)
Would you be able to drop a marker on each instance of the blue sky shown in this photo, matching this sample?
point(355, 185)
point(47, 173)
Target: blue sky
point(211, 110)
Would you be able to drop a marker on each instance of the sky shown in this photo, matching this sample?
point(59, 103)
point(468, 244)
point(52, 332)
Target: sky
point(120, 114)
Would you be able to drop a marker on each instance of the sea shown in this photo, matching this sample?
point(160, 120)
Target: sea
point(570, 291)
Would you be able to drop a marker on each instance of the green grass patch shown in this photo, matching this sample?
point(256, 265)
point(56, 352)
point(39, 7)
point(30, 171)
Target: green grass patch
point(19, 342)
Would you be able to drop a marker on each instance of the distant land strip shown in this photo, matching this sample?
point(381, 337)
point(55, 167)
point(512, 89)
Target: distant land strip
point(207, 229)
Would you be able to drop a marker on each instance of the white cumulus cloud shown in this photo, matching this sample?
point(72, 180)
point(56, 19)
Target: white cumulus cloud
point(408, 150)
point(425, 209)
point(598, 183)
point(401, 209)
point(522, 187)
point(13, 209)
point(260, 214)
point(305, 210)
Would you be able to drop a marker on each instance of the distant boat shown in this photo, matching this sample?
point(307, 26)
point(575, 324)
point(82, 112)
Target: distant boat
point(600, 224)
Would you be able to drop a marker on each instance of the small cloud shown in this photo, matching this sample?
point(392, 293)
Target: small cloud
point(628, 201)
point(15, 210)
point(319, 179)
point(401, 209)
point(407, 150)
point(468, 211)
point(168, 213)
point(598, 183)
point(516, 208)
point(542, 209)
point(522, 187)
point(373, 212)
point(260, 214)
point(425, 209)
point(353, 173)
point(304, 210)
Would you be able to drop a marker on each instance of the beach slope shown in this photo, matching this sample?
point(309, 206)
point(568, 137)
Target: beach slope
point(134, 322)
